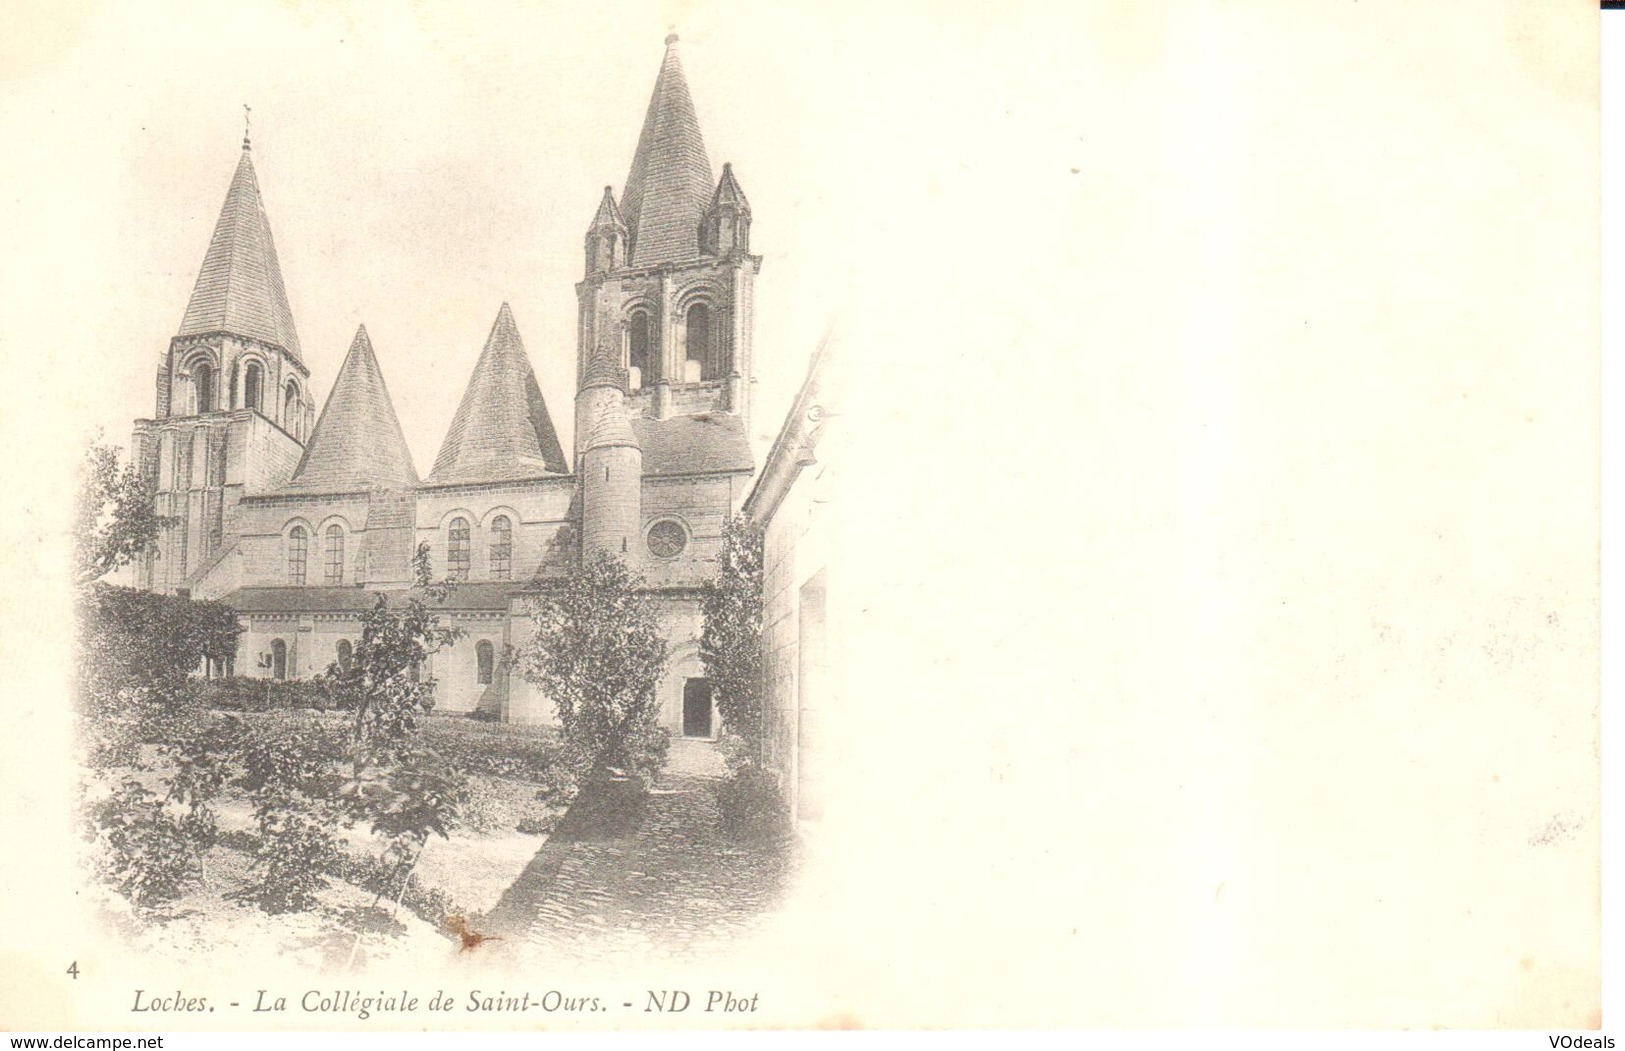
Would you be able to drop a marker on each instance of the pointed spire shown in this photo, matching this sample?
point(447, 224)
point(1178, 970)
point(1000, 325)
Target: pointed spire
point(728, 192)
point(669, 186)
point(239, 288)
point(502, 429)
point(609, 213)
point(357, 444)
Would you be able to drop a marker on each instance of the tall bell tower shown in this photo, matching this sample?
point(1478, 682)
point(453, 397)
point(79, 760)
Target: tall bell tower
point(669, 271)
point(233, 406)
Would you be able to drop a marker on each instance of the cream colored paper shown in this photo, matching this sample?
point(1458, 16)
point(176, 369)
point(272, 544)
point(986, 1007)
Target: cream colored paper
point(1219, 547)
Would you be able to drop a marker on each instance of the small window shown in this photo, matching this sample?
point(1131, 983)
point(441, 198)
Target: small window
point(279, 659)
point(485, 654)
point(699, 340)
point(667, 538)
point(457, 559)
point(345, 653)
point(501, 548)
point(290, 410)
point(298, 551)
point(252, 379)
point(203, 381)
point(335, 554)
point(641, 346)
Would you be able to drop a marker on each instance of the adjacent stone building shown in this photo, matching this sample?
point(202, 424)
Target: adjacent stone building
point(795, 501)
point(298, 520)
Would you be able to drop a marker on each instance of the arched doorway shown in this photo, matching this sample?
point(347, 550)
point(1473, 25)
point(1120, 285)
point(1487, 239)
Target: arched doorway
point(696, 707)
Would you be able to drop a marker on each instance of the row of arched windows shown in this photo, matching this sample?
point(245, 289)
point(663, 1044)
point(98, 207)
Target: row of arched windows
point(499, 550)
point(484, 660)
point(205, 387)
point(708, 344)
point(459, 551)
point(299, 554)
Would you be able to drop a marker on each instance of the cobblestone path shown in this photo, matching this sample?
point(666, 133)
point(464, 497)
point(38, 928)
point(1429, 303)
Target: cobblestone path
point(627, 877)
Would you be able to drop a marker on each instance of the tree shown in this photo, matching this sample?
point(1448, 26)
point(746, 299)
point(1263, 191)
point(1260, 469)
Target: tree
point(403, 788)
point(382, 684)
point(598, 652)
point(731, 640)
point(114, 515)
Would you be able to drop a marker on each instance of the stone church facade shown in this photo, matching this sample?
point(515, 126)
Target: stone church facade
point(297, 519)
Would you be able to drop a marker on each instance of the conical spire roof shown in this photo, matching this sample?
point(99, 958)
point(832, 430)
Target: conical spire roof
point(502, 429)
point(728, 191)
point(670, 183)
point(609, 213)
point(357, 444)
point(607, 422)
point(239, 288)
point(603, 370)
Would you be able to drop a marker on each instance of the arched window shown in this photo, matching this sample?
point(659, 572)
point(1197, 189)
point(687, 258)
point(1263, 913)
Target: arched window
point(457, 558)
point(203, 384)
point(298, 550)
point(253, 379)
point(345, 653)
point(485, 655)
point(279, 659)
point(699, 340)
point(335, 554)
point(290, 410)
point(642, 352)
point(501, 548)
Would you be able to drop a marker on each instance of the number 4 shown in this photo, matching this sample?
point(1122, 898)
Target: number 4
point(73, 969)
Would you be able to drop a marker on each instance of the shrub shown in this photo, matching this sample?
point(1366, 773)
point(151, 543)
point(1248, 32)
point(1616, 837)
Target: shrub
point(295, 852)
point(243, 694)
point(751, 806)
point(516, 752)
point(599, 653)
point(538, 826)
point(291, 774)
point(731, 639)
point(150, 853)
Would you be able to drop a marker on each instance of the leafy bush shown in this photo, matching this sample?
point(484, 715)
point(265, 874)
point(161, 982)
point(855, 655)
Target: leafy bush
point(517, 752)
point(243, 694)
point(150, 853)
point(293, 779)
point(731, 638)
point(538, 826)
point(296, 851)
point(599, 653)
point(751, 806)
point(130, 638)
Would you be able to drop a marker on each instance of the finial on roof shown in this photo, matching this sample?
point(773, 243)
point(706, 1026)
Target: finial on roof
point(671, 38)
point(245, 126)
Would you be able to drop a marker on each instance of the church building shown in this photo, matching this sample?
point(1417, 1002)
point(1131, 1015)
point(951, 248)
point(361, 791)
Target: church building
point(297, 519)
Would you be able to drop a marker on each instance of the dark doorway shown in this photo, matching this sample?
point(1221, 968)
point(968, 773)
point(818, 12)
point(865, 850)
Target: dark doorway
point(697, 708)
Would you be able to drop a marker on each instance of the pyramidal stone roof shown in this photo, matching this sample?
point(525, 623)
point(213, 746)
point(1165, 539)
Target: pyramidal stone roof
point(502, 429)
point(358, 444)
point(609, 213)
point(670, 183)
point(728, 191)
point(239, 288)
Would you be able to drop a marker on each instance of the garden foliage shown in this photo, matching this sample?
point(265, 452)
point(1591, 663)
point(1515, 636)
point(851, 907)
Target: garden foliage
point(598, 653)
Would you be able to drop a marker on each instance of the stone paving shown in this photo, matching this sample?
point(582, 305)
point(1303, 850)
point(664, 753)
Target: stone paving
point(628, 877)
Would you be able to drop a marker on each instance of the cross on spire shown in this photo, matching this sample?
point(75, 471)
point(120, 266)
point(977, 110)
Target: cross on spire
point(246, 111)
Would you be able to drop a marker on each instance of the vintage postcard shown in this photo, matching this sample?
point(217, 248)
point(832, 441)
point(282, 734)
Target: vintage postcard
point(686, 516)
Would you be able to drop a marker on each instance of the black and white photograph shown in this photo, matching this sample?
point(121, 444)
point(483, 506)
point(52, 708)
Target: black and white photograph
point(700, 516)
